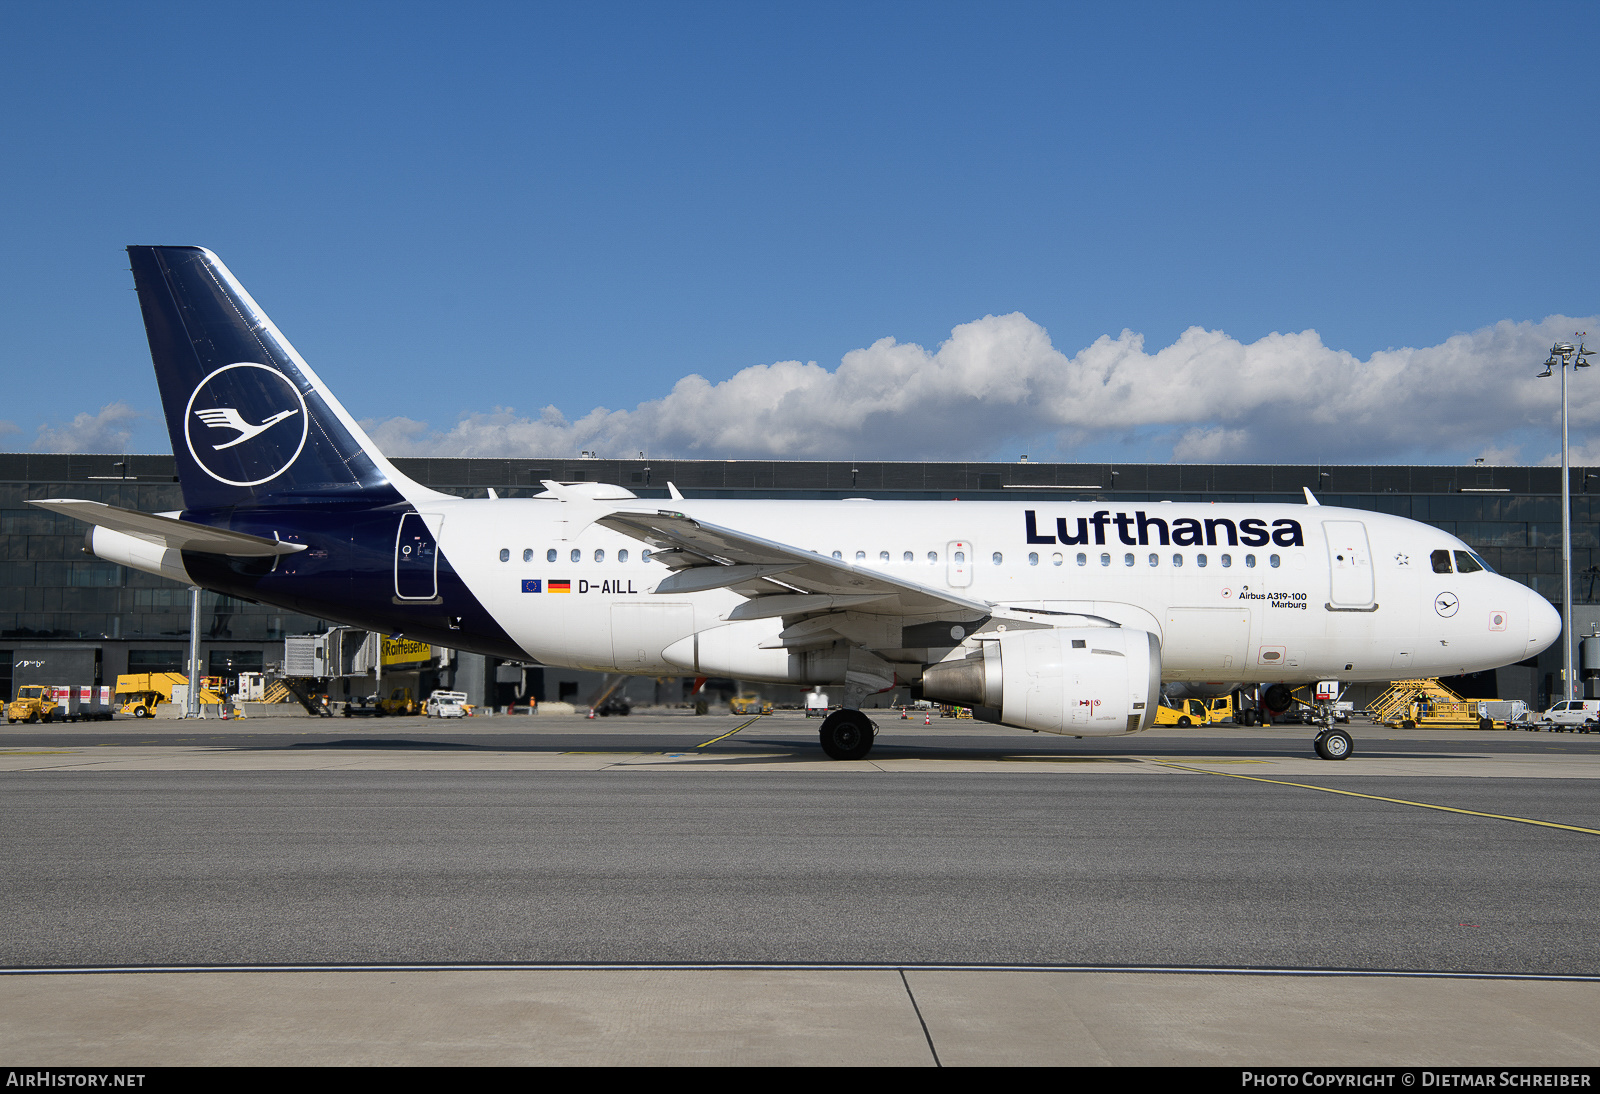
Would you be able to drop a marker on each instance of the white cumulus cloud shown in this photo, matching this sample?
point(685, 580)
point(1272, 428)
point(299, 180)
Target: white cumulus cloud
point(107, 431)
point(999, 381)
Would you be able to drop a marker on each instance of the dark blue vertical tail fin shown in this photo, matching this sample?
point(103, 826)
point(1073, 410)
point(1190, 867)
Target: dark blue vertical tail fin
point(250, 423)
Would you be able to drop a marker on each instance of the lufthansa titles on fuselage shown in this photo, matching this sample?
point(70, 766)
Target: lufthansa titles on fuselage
point(1141, 530)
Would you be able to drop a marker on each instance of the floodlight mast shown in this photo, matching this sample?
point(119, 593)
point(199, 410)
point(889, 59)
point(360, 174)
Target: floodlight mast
point(1565, 354)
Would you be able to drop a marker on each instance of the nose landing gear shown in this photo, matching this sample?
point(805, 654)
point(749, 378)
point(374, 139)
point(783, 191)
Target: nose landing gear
point(1333, 744)
point(1330, 743)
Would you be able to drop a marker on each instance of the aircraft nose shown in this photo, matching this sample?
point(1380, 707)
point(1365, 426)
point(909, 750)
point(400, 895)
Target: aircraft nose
point(1544, 624)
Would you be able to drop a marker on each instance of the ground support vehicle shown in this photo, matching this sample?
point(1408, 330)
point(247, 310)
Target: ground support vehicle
point(33, 704)
point(446, 704)
point(252, 687)
point(60, 703)
point(1426, 704)
point(140, 693)
point(1504, 714)
point(1188, 712)
point(1196, 712)
point(83, 702)
point(1569, 716)
point(308, 691)
point(615, 703)
point(748, 703)
point(399, 703)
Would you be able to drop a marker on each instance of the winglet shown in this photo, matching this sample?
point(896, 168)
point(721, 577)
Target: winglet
point(673, 492)
point(1310, 498)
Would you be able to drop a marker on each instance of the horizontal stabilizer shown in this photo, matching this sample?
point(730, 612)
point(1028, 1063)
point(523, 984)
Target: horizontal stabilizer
point(180, 535)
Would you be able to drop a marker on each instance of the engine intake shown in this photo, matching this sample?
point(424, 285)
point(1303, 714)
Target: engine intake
point(1086, 681)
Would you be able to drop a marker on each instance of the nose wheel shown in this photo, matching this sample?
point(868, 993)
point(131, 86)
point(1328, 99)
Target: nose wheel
point(1334, 744)
point(847, 735)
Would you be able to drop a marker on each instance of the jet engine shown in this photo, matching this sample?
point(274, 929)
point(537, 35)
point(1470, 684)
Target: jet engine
point(1277, 698)
point(135, 552)
point(1084, 681)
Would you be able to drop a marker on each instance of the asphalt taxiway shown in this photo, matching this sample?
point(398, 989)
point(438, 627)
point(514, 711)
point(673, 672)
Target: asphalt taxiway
point(679, 889)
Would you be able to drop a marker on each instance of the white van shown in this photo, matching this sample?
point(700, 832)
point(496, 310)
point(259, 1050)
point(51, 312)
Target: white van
point(1573, 712)
point(446, 704)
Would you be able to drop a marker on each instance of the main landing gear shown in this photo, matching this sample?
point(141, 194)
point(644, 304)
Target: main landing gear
point(1333, 744)
point(847, 735)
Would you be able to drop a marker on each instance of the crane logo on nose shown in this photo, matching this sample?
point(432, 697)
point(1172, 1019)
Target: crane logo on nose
point(1446, 604)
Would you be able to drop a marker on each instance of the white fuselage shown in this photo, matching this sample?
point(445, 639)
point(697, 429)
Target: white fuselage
point(1237, 592)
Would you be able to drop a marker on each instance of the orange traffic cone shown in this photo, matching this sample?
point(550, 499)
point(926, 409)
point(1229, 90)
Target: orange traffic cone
point(927, 719)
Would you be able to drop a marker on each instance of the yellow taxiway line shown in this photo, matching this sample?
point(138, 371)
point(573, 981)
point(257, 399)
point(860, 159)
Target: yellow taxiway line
point(730, 732)
point(1380, 798)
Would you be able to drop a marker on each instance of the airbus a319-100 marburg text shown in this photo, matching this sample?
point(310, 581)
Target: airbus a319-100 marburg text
point(1064, 618)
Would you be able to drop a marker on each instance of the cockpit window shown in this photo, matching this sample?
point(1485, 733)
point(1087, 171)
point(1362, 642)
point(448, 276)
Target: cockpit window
point(1466, 564)
point(1441, 562)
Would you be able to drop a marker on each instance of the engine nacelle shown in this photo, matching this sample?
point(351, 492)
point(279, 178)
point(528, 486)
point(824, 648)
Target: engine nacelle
point(136, 552)
point(1277, 698)
point(1084, 681)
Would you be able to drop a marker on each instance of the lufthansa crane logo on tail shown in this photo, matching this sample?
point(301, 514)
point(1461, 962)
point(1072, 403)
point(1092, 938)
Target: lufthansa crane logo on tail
point(246, 424)
point(228, 418)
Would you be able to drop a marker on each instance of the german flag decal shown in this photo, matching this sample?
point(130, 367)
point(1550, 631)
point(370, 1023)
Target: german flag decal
point(561, 586)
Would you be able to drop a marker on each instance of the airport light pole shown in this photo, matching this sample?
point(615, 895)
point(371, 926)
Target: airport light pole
point(1565, 354)
point(191, 704)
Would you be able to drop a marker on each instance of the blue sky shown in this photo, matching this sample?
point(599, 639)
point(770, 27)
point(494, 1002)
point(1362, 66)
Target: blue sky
point(464, 214)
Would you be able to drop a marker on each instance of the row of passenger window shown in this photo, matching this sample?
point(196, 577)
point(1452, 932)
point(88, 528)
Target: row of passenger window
point(909, 556)
point(959, 557)
point(577, 555)
point(1154, 559)
point(1058, 559)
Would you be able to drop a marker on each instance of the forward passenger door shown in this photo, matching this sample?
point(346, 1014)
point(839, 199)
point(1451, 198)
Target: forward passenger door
point(1350, 565)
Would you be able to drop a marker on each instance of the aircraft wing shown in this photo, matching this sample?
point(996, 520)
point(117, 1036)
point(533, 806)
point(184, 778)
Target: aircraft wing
point(778, 579)
point(181, 535)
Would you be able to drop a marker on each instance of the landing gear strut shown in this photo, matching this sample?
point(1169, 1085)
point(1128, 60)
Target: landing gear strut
point(847, 735)
point(1330, 743)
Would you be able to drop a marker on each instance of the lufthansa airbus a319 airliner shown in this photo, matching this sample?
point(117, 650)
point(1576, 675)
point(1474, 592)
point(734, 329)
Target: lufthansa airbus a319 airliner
point(1063, 618)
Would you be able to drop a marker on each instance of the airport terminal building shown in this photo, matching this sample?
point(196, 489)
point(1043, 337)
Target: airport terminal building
point(54, 598)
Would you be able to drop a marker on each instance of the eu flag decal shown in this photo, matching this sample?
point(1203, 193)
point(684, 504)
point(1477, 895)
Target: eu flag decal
point(532, 585)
